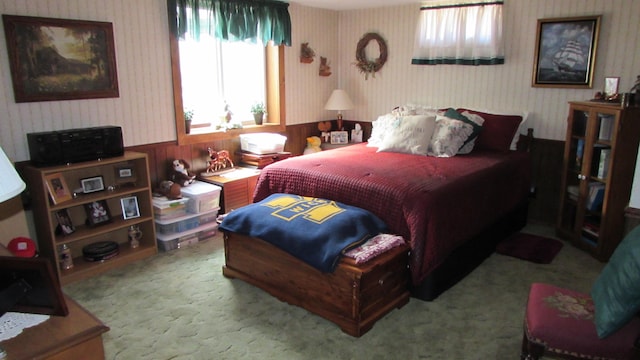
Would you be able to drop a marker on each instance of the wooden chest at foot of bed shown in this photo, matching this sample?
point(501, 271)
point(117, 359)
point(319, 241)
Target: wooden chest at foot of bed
point(354, 296)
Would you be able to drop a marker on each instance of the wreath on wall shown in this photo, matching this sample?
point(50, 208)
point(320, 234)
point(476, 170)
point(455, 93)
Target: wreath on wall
point(368, 66)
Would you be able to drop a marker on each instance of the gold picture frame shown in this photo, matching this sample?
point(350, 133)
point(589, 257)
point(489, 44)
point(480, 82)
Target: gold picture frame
point(57, 187)
point(565, 52)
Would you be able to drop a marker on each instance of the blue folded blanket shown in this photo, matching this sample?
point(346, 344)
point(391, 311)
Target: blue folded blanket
point(316, 231)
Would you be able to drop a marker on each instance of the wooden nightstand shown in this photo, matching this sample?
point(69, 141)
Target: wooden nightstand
point(237, 187)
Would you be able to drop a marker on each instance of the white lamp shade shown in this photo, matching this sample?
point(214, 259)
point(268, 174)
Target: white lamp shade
point(10, 182)
point(339, 100)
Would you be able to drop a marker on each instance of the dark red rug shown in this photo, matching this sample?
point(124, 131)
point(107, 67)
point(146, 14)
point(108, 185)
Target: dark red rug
point(534, 248)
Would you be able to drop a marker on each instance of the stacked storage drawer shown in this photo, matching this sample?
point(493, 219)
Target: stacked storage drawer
point(196, 223)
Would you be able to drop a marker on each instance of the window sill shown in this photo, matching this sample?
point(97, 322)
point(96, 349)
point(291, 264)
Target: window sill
point(202, 135)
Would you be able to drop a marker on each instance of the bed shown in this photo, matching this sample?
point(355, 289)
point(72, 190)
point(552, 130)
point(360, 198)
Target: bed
point(452, 211)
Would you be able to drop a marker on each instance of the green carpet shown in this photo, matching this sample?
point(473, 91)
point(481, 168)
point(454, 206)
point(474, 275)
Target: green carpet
point(177, 305)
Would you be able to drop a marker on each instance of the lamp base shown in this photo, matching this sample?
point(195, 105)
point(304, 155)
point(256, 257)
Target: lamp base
point(339, 122)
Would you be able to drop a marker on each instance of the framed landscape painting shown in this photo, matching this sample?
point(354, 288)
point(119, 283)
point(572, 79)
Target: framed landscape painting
point(566, 52)
point(58, 59)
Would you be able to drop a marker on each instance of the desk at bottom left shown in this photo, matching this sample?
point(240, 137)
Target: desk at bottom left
point(75, 336)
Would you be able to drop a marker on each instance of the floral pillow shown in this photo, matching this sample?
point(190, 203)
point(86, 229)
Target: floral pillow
point(469, 144)
point(410, 134)
point(380, 127)
point(448, 137)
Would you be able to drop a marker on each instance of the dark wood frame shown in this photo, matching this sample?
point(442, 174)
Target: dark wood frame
point(39, 274)
point(94, 77)
point(93, 220)
point(543, 76)
point(62, 215)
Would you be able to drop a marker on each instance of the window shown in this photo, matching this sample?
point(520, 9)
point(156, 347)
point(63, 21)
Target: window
point(219, 74)
point(219, 62)
point(464, 34)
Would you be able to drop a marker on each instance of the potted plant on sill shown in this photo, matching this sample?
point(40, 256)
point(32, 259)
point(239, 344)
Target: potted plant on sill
point(188, 116)
point(258, 112)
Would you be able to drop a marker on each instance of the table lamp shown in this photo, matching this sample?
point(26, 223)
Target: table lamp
point(10, 182)
point(339, 100)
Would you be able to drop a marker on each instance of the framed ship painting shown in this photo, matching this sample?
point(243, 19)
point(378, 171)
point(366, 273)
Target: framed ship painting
point(566, 52)
point(60, 59)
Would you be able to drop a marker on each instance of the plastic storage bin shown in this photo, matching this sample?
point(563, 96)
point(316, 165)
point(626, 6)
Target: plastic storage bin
point(173, 241)
point(202, 196)
point(185, 222)
point(262, 143)
point(164, 208)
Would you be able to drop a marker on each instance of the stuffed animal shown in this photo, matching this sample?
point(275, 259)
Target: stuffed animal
point(170, 189)
point(313, 145)
point(181, 174)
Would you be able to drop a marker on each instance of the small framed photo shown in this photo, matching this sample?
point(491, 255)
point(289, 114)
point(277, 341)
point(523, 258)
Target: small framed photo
point(97, 213)
point(58, 189)
point(64, 222)
point(130, 207)
point(92, 184)
point(125, 174)
point(611, 86)
point(339, 137)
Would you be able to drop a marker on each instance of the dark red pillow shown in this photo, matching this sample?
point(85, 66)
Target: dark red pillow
point(497, 131)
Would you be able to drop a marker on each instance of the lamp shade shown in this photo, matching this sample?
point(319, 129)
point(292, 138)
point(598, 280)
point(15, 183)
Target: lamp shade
point(10, 182)
point(339, 100)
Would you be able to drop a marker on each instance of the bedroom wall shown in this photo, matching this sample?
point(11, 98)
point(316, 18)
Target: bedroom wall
point(145, 106)
point(504, 87)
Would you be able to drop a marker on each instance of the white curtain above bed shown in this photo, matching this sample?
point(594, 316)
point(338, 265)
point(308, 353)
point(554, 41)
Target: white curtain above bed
point(467, 33)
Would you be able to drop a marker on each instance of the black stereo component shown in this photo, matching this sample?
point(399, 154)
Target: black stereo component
point(75, 145)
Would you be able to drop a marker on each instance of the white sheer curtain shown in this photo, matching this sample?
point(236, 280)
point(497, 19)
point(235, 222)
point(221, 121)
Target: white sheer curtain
point(467, 33)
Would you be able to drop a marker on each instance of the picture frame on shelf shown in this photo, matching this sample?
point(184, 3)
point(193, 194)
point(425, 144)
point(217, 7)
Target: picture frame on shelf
point(125, 174)
point(57, 187)
point(97, 213)
point(92, 184)
point(65, 226)
point(73, 70)
point(611, 86)
point(339, 137)
point(130, 208)
point(565, 52)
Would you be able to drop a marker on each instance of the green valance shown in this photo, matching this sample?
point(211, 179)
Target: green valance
point(237, 20)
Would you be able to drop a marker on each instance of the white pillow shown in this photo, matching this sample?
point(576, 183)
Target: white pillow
point(415, 109)
point(379, 128)
point(468, 147)
point(449, 135)
point(410, 134)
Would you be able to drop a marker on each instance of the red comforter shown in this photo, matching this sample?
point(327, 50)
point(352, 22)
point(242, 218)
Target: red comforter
point(434, 203)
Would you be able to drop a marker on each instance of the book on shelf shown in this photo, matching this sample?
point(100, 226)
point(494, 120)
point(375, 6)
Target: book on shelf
point(603, 163)
point(596, 196)
point(606, 127)
point(579, 152)
point(573, 191)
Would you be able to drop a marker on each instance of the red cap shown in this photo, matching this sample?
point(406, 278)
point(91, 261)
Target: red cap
point(22, 247)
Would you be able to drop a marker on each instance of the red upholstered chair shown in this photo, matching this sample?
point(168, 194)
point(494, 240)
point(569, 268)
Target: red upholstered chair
point(602, 325)
point(560, 323)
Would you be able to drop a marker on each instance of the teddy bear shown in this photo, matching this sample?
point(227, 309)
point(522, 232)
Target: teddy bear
point(313, 145)
point(181, 174)
point(169, 189)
